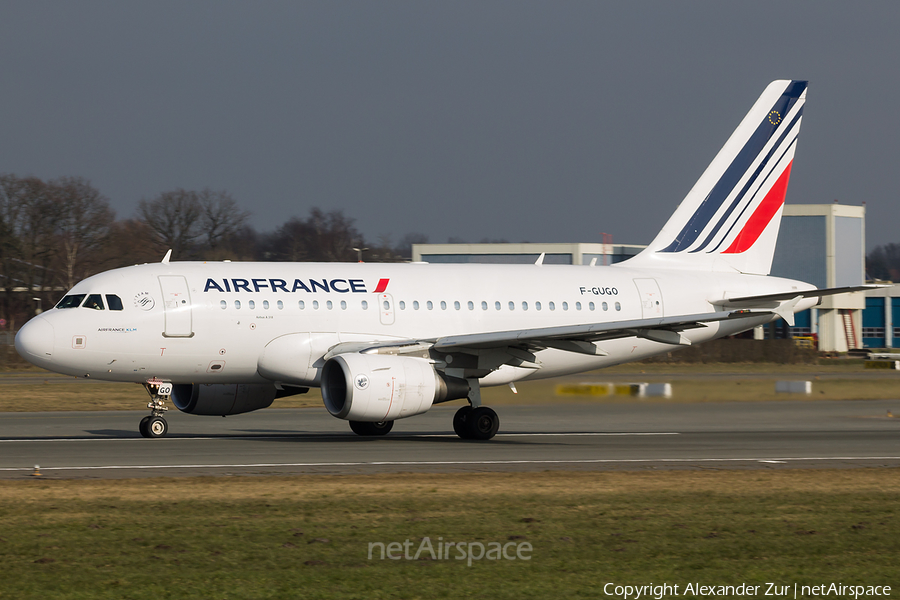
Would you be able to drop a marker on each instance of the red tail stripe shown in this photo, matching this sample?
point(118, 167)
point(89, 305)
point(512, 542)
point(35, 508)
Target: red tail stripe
point(382, 285)
point(762, 216)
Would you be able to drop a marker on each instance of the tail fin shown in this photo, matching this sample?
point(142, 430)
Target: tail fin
point(729, 220)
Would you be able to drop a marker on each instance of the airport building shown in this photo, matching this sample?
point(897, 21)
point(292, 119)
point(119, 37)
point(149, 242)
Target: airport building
point(823, 244)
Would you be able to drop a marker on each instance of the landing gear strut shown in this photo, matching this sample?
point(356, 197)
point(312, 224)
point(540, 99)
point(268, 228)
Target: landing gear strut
point(479, 423)
point(154, 425)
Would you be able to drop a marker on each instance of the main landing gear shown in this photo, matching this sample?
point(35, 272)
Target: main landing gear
point(154, 425)
point(479, 423)
point(367, 428)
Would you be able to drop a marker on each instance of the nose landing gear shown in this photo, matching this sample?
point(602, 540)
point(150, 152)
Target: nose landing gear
point(154, 425)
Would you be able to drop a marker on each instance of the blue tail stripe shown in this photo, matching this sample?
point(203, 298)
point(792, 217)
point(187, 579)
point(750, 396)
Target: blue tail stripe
point(740, 197)
point(757, 141)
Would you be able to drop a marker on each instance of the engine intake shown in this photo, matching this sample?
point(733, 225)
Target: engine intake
point(378, 387)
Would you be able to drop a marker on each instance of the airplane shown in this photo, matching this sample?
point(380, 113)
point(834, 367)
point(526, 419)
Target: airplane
point(389, 341)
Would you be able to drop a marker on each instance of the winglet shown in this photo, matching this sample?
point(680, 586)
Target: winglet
point(166, 258)
point(786, 310)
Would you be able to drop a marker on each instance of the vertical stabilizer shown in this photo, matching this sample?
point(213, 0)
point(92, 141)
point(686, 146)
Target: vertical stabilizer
point(729, 220)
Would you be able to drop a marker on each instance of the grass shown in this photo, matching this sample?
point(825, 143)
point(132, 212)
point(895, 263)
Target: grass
point(308, 536)
point(690, 383)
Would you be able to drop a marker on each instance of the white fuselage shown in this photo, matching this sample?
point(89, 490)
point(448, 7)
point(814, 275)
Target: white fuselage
point(192, 322)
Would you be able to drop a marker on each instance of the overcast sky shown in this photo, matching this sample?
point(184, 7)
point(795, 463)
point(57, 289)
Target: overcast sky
point(525, 121)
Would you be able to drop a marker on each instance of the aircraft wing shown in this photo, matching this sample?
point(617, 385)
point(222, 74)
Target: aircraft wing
point(665, 329)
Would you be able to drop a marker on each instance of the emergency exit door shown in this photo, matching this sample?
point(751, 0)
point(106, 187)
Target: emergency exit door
point(177, 303)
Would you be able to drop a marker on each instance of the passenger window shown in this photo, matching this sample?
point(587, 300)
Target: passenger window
point(578, 306)
point(497, 305)
point(565, 306)
point(302, 305)
point(237, 304)
point(415, 305)
point(605, 306)
point(223, 304)
point(430, 305)
point(71, 301)
point(343, 305)
point(471, 305)
point(591, 305)
point(618, 306)
point(524, 306)
point(113, 302)
point(402, 305)
point(537, 306)
point(483, 305)
point(443, 305)
point(552, 306)
point(94, 301)
point(280, 305)
point(387, 305)
point(265, 305)
point(365, 305)
point(329, 305)
point(512, 305)
point(315, 305)
point(456, 304)
point(251, 304)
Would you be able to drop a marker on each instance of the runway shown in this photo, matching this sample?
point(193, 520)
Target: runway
point(637, 435)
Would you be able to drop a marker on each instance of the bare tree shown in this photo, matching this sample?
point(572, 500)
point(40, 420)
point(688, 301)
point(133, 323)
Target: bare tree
point(175, 220)
point(83, 224)
point(222, 217)
point(325, 237)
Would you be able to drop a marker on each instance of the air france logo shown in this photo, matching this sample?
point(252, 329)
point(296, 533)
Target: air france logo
point(339, 286)
point(362, 381)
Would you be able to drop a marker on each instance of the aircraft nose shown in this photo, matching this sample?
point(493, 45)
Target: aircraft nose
point(35, 340)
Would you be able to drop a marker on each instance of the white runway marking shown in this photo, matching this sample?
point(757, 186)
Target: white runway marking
point(288, 436)
point(460, 463)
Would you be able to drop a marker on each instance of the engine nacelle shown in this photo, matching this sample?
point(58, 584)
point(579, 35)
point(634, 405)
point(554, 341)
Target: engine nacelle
point(221, 399)
point(379, 387)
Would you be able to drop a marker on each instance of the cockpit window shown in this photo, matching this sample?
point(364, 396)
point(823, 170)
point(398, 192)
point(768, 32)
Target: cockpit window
point(94, 301)
point(113, 302)
point(73, 301)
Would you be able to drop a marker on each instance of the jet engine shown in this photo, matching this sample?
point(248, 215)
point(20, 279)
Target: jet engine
point(222, 399)
point(378, 387)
